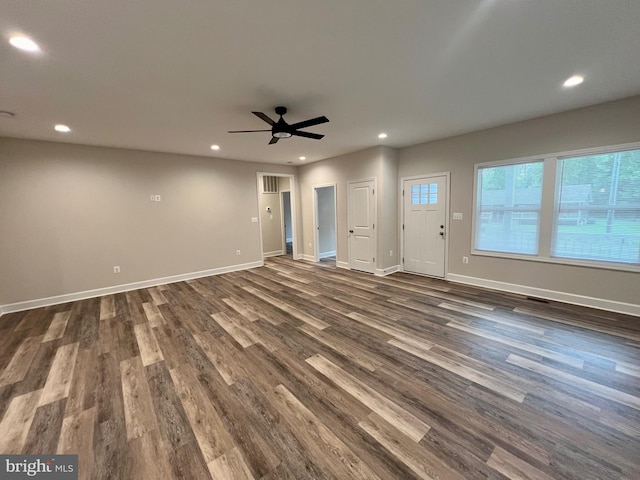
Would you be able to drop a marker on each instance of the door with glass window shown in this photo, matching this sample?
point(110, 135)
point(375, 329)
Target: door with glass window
point(424, 225)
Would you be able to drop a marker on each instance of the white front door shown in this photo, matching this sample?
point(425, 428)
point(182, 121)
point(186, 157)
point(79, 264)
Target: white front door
point(361, 221)
point(425, 214)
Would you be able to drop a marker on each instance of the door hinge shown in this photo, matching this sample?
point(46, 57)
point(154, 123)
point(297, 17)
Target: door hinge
point(374, 226)
point(374, 259)
point(403, 226)
point(403, 193)
point(373, 191)
point(402, 259)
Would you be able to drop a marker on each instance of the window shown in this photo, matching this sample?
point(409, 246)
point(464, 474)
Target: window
point(424, 194)
point(508, 208)
point(586, 212)
point(597, 215)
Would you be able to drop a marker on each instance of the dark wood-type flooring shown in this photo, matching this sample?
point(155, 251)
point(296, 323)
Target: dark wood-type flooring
point(301, 371)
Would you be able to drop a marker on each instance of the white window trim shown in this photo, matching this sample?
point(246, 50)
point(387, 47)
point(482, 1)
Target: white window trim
point(547, 209)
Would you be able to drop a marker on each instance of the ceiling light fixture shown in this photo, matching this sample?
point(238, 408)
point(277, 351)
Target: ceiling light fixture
point(215, 147)
point(573, 81)
point(281, 135)
point(382, 135)
point(61, 128)
point(303, 158)
point(24, 43)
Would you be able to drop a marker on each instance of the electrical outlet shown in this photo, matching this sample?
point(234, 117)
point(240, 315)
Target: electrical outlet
point(391, 253)
point(116, 269)
point(465, 259)
point(152, 198)
point(158, 198)
point(237, 252)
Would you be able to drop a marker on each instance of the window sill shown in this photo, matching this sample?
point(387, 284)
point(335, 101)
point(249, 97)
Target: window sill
point(622, 267)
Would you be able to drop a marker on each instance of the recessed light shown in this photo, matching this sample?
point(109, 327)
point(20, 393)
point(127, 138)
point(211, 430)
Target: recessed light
point(382, 135)
point(24, 43)
point(61, 128)
point(215, 147)
point(573, 81)
point(303, 158)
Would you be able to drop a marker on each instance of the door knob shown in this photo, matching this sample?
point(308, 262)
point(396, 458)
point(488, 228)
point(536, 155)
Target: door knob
point(441, 226)
point(442, 234)
point(350, 231)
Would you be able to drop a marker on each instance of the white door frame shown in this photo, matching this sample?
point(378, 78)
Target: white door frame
point(316, 217)
point(294, 219)
point(375, 219)
point(446, 221)
point(282, 222)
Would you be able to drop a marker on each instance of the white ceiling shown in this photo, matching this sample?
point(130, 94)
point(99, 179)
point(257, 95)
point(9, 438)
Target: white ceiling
point(175, 75)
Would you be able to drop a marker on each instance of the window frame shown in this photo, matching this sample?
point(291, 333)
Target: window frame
point(521, 161)
point(549, 204)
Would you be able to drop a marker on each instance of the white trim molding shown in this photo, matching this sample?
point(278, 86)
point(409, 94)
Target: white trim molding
point(344, 265)
point(275, 253)
point(99, 292)
point(308, 258)
point(565, 297)
point(327, 254)
point(383, 272)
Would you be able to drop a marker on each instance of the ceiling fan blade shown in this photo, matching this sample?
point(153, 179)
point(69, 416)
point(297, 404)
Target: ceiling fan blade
point(309, 123)
point(274, 140)
point(247, 131)
point(315, 136)
point(262, 116)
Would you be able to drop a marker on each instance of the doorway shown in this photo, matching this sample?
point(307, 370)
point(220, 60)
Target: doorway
point(285, 201)
point(325, 221)
point(424, 228)
point(362, 223)
point(277, 217)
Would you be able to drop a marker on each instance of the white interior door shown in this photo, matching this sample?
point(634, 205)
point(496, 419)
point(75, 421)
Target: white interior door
point(425, 214)
point(361, 221)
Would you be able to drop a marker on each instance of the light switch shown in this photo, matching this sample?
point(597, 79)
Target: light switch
point(254, 219)
point(457, 216)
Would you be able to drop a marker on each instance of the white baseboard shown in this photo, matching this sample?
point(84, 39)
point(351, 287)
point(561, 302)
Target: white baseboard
point(275, 253)
point(308, 258)
point(327, 254)
point(99, 292)
point(383, 272)
point(340, 264)
point(572, 298)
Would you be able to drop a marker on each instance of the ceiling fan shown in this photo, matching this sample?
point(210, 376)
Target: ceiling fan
point(282, 129)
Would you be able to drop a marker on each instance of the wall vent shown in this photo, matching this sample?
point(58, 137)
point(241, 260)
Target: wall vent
point(269, 184)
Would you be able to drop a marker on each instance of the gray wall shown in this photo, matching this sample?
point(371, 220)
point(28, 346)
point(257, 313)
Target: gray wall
point(379, 163)
point(69, 213)
point(606, 124)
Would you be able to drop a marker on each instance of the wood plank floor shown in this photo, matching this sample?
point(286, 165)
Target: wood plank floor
point(298, 370)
